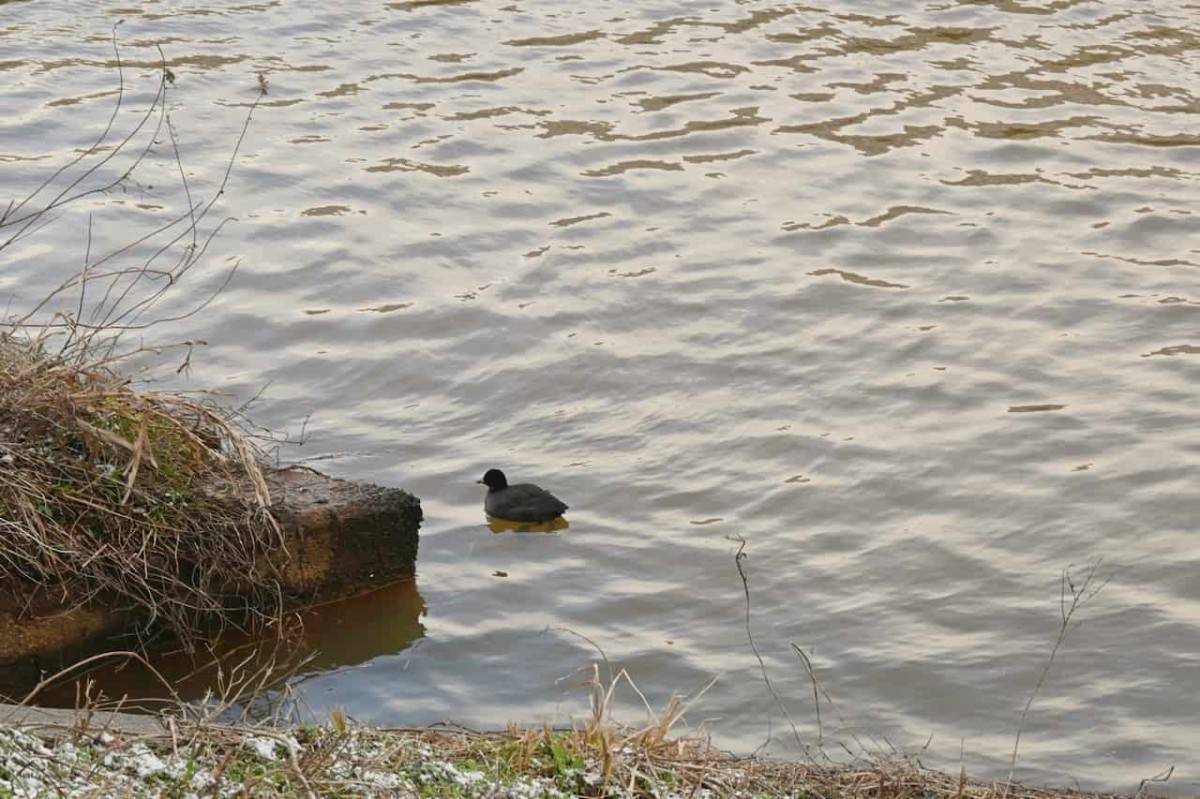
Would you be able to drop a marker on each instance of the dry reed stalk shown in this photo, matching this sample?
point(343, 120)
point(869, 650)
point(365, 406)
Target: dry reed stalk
point(136, 499)
point(335, 760)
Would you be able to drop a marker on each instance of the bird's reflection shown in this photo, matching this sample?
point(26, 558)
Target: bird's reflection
point(497, 525)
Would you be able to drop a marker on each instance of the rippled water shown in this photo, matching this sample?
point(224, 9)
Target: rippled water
point(903, 294)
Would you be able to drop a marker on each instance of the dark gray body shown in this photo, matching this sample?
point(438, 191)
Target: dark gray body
point(524, 502)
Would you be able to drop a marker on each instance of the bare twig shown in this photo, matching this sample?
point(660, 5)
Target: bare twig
point(1072, 597)
point(738, 557)
point(812, 676)
point(1144, 785)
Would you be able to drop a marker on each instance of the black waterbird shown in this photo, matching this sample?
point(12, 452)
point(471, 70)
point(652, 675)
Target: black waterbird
point(524, 502)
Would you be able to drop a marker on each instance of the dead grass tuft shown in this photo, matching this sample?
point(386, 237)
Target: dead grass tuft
point(598, 757)
point(147, 501)
point(133, 498)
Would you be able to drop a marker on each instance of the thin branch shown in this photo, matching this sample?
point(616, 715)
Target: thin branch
point(738, 557)
point(1070, 600)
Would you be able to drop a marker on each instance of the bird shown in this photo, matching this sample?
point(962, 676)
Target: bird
point(523, 502)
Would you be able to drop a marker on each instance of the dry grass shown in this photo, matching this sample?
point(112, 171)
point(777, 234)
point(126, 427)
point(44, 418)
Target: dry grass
point(597, 757)
point(149, 502)
point(133, 498)
point(690, 766)
point(217, 748)
point(602, 757)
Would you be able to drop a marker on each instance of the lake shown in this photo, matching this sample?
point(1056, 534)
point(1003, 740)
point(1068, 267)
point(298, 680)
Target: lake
point(903, 296)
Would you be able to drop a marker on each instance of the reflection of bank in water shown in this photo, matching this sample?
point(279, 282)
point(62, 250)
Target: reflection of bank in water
point(505, 526)
point(347, 632)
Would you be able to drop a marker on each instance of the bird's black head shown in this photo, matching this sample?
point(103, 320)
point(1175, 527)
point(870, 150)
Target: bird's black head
point(494, 480)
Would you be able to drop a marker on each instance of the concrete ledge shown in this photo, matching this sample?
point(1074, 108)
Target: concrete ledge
point(52, 720)
point(341, 538)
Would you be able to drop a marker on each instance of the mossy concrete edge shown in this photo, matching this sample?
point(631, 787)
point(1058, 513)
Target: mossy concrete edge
point(339, 538)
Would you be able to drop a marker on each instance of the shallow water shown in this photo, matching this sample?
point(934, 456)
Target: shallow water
point(906, 297)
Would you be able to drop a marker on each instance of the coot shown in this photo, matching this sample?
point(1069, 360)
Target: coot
point(520, 503)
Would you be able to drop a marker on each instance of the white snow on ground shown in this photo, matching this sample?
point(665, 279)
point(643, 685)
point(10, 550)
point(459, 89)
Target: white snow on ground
point(102, 764)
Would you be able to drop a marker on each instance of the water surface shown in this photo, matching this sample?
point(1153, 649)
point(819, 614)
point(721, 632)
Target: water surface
point(905, 296)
